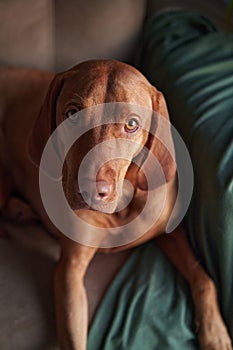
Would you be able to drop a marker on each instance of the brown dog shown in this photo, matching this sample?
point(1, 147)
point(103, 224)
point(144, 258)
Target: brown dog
point(23, 135)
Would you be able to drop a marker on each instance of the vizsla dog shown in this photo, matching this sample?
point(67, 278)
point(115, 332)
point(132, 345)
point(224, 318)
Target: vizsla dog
point(33, 105)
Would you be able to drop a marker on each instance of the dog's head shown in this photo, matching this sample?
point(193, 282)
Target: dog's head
point(90, 84)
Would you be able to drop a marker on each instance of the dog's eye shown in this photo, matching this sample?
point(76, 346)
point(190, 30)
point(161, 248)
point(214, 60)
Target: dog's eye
point(132, 125)
point(72, 114)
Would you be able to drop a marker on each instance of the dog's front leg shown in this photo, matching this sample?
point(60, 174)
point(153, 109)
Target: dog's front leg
point(70, 295)
point(212, 332)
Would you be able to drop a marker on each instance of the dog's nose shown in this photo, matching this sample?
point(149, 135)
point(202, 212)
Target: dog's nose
point(97, 192)
point(103, 191)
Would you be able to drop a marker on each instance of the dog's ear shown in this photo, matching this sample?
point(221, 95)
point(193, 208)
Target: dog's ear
point(160, 147)
point(45, 123)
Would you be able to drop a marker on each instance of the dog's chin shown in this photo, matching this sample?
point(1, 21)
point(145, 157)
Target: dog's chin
point(118, 203)
point(106, 208)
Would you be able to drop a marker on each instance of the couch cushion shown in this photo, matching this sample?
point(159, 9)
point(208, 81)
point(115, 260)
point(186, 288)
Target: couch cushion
point(96, 29)
point(26, 36)
point(27, 263)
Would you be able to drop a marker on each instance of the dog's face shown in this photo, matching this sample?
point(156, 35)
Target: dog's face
point(94, 83)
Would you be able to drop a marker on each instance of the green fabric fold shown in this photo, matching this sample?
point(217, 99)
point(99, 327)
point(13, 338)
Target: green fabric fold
point(147, 306)
point(192, 63)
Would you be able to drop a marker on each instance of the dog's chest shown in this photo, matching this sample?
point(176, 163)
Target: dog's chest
point(146, 210)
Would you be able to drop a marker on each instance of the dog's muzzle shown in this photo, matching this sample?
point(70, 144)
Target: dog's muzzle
point(100, 195)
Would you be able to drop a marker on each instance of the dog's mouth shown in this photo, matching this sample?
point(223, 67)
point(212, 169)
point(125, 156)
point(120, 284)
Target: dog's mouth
point(108, 200)
point(99, 202)
point(80, 197)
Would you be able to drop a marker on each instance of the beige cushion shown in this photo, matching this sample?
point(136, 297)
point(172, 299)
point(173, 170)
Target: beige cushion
point(58, 34)
point(26, 35)
point(27, 262)
point(96, 29)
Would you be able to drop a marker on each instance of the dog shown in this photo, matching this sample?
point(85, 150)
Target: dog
point(33, 104)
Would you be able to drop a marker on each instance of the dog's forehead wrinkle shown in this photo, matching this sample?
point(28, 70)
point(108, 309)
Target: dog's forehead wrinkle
point(78, 99)
point(128, 91)
point(105, 132)
point(115, 83)
point(87, 89)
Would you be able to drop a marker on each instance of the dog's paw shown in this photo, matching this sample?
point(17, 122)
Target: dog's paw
point(211, 329)
point(19, 211)
point(212, 334)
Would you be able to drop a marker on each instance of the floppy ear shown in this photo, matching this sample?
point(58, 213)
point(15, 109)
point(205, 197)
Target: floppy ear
point(160, 146)
point(45, 123)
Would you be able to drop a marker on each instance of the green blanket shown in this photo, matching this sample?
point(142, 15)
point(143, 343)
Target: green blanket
point(148, 306)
